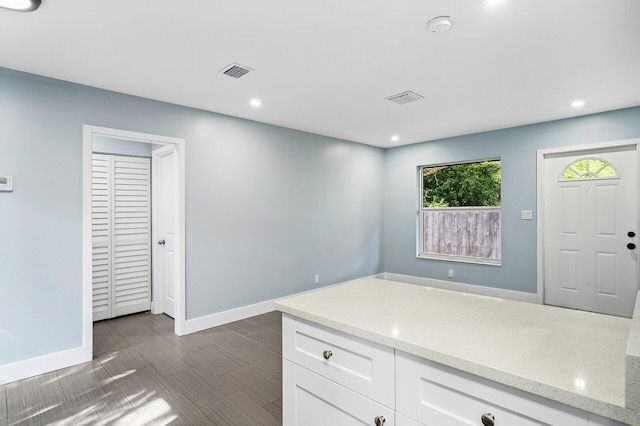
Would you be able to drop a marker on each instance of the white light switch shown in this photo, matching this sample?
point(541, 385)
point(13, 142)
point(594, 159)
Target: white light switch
point(527, 215)
point(6, 183)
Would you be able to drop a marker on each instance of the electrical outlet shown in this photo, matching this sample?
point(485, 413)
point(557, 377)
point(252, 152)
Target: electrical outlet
point(450, 273)
point(316, 279)
point(6, 183)
point(527, 215)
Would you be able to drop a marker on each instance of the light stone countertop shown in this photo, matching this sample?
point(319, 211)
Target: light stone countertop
point(574, 357)
point(632, 354)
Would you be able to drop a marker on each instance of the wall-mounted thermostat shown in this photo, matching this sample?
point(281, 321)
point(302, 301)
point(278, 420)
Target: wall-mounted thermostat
point(6, 183)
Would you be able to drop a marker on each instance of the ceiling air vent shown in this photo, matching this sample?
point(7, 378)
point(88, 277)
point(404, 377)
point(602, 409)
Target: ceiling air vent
point(235, 70)
point(404, 98)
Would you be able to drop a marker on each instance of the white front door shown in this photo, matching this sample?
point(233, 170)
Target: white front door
point(166, 179)
point(590, 230)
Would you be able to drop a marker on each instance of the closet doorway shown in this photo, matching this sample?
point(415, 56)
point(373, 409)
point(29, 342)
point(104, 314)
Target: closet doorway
point(133, 227)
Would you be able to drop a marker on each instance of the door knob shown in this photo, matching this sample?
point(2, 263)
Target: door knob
point(327, 354)
point(379, 421)
point(631, 246)
point(488, 419)
point(161, 242)
point(631, 234)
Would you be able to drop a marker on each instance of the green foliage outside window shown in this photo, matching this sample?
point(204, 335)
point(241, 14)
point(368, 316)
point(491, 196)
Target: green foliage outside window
point(462, 185)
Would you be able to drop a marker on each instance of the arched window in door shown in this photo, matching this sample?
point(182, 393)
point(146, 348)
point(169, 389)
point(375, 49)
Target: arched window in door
point(589, 168)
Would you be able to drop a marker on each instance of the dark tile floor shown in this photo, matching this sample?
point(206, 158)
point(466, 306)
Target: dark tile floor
point(143, 374)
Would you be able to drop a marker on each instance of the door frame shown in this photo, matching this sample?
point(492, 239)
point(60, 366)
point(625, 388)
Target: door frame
point(158, 291)
point(541, 155)
point(88, 131)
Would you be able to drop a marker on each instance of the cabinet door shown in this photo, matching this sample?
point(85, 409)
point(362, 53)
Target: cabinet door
point(433, 394)
point(357, 364)
point(311, 400)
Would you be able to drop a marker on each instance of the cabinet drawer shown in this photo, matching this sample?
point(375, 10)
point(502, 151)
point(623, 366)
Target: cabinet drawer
point(445, 407)
point(433, 394)
point(311, 400)
point(357, 364)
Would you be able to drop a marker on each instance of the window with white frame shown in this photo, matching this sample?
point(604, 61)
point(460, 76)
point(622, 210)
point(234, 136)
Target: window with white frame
point(459, 216)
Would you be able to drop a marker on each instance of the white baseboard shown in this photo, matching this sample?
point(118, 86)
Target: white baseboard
point(43, 364)
point(465, 288)
point(225, 317)
point(221, 318)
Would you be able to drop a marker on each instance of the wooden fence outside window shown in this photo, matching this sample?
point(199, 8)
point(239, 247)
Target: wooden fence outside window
point(471, 232)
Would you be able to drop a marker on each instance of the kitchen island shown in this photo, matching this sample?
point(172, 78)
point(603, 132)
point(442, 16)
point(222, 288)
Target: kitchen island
point(429, 356)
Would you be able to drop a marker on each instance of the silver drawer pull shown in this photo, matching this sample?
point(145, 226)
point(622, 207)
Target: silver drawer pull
point(379, 421)
point(488, 419)
point(327, 354)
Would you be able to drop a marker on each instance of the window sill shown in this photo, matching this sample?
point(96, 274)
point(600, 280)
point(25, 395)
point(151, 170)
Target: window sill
point(460, 259)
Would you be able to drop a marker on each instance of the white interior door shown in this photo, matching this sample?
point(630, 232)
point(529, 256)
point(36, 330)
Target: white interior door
point(590, 221)
point(131, 237)
point(166, 225)
point(101, 183)
point(121, 226)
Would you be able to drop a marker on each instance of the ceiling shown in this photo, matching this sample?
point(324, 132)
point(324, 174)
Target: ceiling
point(326, 66)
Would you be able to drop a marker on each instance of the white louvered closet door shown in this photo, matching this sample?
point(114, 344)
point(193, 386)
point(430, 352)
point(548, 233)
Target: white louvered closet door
point(127, 243)
point(101, 226)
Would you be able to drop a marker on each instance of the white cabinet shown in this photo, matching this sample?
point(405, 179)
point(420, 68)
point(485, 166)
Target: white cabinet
point(428, 393)
point(357, 364)
point(332, 378)
point(310, 399)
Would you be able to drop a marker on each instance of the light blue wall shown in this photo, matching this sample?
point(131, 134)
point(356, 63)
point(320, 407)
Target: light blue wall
point(517, 149)
point(267, 207)
point(121, 147)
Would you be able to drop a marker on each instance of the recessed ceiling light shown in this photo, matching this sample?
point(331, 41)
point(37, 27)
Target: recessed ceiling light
point(578, 103)
point(395, 138)
point(494, 2)
point(255, 103)
point(439, 24)
point(20, 5)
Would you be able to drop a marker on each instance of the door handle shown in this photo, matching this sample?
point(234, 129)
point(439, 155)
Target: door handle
point(631, 246)
point(161, 242)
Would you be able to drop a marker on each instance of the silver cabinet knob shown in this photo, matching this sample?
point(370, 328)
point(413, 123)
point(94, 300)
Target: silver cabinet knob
point(379, 421)
point(327, 354)
point(488, 419)
point(161, 242)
